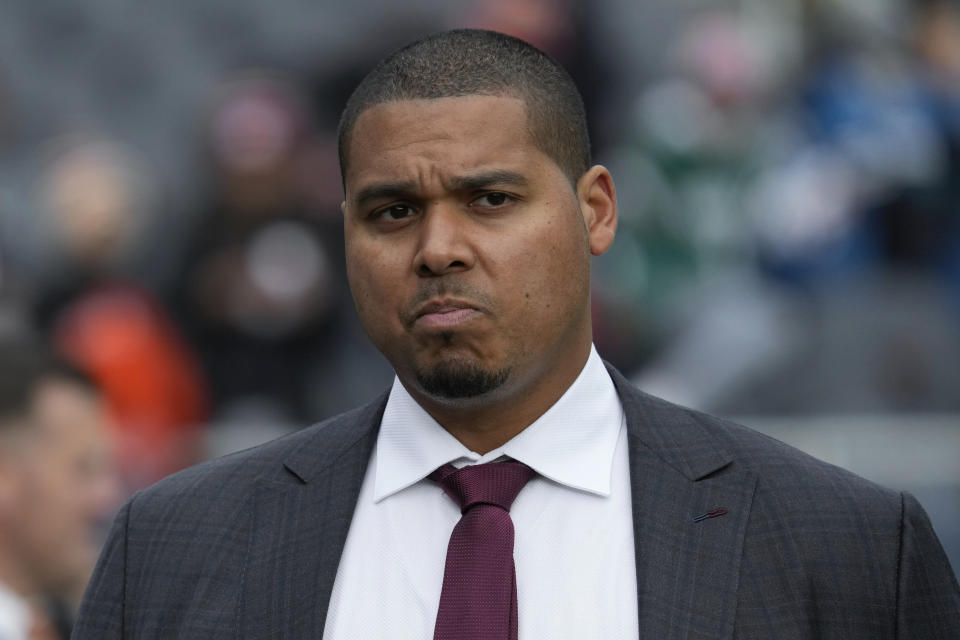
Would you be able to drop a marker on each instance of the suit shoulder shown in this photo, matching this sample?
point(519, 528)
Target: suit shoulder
point(231, 477)
point(782, 466)
point(784, 473)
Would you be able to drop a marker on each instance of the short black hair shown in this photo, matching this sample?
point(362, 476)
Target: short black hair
point(467, 62)
point(25, 364)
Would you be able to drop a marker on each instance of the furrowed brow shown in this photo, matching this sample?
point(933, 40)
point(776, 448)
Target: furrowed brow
point(499, 178)
point(384, 191)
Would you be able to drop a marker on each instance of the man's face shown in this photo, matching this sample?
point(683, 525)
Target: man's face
point(59, 485)
point(467, 249)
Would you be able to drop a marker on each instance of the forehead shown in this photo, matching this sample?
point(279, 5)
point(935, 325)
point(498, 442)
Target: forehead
point(396, 140)
point(64, 408)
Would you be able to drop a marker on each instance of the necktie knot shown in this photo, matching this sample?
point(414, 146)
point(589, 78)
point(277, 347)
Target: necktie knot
point(495, 483)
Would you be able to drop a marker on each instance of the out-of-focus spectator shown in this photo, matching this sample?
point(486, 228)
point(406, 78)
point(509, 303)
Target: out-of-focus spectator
point(765, 168)
point(57, 484)
point(96, 201)
point(261, 291)
point(151, 382)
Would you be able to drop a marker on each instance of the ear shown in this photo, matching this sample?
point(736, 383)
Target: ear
point(598, 203)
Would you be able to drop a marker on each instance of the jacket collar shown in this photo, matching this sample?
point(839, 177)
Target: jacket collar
point(328, 442)
point(677, 435)
point(686, 444)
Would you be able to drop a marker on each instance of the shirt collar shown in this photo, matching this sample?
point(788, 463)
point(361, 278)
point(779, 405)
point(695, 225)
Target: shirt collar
point(572, 443)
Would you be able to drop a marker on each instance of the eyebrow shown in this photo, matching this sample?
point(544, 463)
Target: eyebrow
point(486, 179)
point(384, 190)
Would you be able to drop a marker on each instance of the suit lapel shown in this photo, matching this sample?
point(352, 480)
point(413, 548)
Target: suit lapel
point(687, 571)
point(300, 520)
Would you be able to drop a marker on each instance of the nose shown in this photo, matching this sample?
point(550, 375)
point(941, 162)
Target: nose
point(445, 245)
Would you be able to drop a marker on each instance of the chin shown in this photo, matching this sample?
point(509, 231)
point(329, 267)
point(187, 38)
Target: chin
point(458, 380)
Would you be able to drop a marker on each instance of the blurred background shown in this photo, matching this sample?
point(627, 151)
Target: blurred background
point(789, 183)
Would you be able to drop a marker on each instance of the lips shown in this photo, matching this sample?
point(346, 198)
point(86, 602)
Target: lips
point(444, 314)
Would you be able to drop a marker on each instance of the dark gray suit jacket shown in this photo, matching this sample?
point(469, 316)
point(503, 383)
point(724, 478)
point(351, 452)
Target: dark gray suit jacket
point(247, 546)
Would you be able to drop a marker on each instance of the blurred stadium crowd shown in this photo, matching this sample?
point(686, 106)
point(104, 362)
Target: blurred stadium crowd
point(788, 175)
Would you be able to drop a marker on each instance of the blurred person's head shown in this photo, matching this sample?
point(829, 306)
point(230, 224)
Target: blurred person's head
point(56, 479)
point(257, 134)
point(937, 35)
point(546, 24)
point(98, 197)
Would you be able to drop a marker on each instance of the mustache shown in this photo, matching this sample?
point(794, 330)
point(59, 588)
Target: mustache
point(439, 289)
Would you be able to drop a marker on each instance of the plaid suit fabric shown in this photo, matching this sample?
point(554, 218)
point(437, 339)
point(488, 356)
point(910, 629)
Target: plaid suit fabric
point(248, 546)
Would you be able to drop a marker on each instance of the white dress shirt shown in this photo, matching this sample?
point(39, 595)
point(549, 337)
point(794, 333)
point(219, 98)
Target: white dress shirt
point(573, 522)
point(14, 615)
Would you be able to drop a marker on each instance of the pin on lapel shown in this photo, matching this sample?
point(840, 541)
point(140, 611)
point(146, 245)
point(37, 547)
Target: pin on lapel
point(716, 513)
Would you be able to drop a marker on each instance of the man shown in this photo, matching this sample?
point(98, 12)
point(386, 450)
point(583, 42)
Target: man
point(56, 485)
point(471, 211)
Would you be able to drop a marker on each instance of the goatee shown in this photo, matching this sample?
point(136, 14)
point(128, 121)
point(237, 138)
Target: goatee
point(457, 380)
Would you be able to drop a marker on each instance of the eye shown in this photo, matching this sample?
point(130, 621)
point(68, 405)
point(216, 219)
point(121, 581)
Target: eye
point(393, 212)
point(493, 199)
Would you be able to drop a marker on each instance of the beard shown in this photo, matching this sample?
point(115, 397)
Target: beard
point(460, 380)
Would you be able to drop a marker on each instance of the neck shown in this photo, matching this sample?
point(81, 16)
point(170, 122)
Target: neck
point(13, 576)
point(489, 423)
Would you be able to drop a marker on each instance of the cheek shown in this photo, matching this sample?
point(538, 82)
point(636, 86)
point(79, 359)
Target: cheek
point(363, 266)
point(374, 284)
point(552, 271)
point(40, 520)
point(52, 494)
point(373, 265)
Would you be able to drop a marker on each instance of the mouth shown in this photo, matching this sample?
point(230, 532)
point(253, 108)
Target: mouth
point(444, 315)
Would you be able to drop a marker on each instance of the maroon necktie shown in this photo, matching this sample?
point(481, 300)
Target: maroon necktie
point(479, 597)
